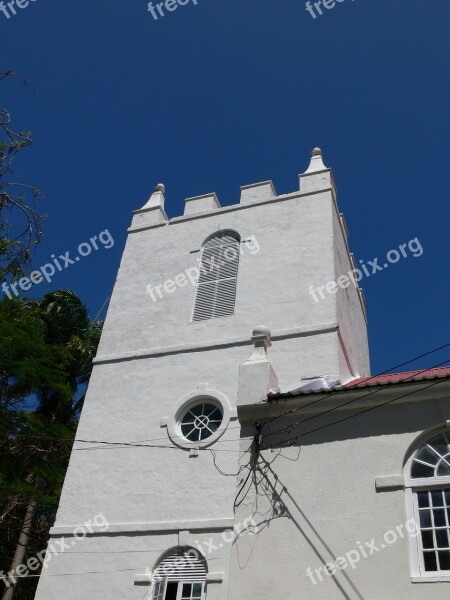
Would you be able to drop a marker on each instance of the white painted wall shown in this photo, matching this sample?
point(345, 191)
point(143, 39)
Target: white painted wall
point(151, 355)
point(322, 503)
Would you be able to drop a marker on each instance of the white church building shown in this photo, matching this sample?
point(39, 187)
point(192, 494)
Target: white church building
point(210, 467)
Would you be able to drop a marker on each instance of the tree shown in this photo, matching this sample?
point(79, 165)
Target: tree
point(41, 392)
point(20, 223)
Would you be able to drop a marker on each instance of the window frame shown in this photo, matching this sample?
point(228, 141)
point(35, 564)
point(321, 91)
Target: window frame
point(191, 597)
point(159, 594)
point(207, 401)
point(217, 234)
point(207, 395)
point(191, 578)
point(412, 487)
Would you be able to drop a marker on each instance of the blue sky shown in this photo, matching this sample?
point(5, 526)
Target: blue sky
point(228, 92)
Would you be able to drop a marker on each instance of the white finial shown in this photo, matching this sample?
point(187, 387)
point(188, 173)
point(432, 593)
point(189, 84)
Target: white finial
point(316, 163)
point(157, 198)
point(261, 340)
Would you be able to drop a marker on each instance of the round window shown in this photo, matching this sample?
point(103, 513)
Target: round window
point(201, 421)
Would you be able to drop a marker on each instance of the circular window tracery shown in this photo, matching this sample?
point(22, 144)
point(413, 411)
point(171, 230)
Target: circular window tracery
point(201, 421)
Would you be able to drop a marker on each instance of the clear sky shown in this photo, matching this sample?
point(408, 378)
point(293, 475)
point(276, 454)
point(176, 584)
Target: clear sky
point(227, 92)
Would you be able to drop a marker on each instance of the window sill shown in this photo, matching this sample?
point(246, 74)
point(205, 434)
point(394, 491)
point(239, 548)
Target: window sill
point(426, 579)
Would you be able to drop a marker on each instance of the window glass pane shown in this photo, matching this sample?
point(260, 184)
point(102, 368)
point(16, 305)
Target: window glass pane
point(443, 469)
point(430, 561)
point(442, 539)
point(447, 497)
point(156, 593)
point(427, 539)
point(171, 591)
point(420, 470)
point(187, 587)
point(439, 443)
point(215, 415)
point(427, 455)
point(439, 518)
point(423, 499)
point(197, 590)
point(196, 410)
point(436, 498)
point(204, 433)
point(196, 424)
point(185, 429)
point(444, 560)
point(425, 518)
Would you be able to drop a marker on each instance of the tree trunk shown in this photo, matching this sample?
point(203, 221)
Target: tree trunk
point(21, 548)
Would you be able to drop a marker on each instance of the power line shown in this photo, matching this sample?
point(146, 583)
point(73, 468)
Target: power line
point(100, 572)
point(290, 440)
point(366, 380)
point(108, 445)
point(141, 443)
point(292, 426)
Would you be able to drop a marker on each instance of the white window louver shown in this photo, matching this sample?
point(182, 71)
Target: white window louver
point(181, 574)
point(181, 565)
point(216, 288)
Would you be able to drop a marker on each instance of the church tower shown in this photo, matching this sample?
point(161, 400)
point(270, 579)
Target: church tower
point(152, 476)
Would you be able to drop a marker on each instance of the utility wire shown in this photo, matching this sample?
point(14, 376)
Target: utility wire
point(380, 389)
point(366, 380)
point(141, 443)
point(290, 440)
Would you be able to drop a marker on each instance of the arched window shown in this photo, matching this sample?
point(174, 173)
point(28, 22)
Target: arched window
point(216, 288)
point(427, 478)
point(180, 575)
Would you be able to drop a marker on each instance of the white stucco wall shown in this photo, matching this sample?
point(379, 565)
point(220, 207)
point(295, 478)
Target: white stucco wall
point(350, 311)
point(322, 503)
point(151, 355)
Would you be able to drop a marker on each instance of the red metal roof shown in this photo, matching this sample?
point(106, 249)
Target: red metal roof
point(406, 376)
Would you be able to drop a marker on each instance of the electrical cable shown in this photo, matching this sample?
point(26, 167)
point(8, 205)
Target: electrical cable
point(292, 426)
point(290, 440)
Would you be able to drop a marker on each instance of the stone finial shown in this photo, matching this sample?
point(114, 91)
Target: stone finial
point(261, 339)
point(317, 176)
point(256, 376)
point(157, 198)
point(152, 214)
point(316, 163)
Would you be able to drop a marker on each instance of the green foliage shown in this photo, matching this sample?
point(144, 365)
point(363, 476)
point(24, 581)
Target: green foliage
point(27, 368)
point(46, 352)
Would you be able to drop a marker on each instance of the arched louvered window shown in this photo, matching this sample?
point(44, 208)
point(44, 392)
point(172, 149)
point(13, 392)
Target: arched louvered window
point(216, 288)
point(180, 575)
point(427, 477)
